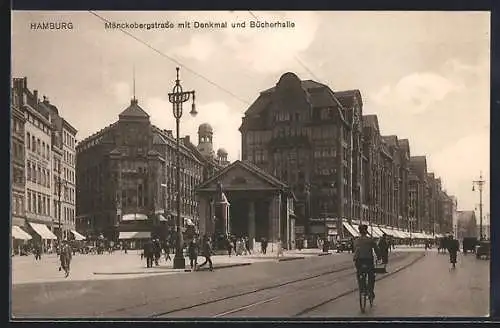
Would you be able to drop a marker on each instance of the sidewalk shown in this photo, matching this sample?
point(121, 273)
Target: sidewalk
point(121, 266)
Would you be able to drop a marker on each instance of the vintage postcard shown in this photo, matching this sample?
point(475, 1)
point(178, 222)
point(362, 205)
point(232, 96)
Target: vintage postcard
point(250, 164)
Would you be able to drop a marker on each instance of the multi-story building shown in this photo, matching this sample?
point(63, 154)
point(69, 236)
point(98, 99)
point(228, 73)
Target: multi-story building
point(335, 160)
point(302, 133)
point(63, 166)
point(17, 160)
point(38, 168)
point(43, 151)
point(126, 177)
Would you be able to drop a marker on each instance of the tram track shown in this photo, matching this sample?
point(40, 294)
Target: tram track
point(266, 289)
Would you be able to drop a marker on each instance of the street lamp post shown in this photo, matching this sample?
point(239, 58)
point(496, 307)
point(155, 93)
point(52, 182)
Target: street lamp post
point(177, 97)
point(59, 187)
point(480, 183)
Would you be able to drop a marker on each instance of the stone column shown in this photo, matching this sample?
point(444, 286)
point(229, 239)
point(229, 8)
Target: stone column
point(251, 223)
point(203, 216)
point(274, 220)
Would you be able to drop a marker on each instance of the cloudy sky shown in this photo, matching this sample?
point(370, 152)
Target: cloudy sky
point(425, 74)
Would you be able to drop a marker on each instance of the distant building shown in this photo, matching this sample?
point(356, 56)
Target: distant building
point(466, 224)
point(126, 177)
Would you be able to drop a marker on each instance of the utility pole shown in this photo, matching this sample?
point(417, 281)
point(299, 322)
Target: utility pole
point(480, 184)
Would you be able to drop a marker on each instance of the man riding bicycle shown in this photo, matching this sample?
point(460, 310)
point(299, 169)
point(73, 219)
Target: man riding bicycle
point(364, 246)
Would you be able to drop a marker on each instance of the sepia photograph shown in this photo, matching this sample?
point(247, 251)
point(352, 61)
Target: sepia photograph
point(250, 164)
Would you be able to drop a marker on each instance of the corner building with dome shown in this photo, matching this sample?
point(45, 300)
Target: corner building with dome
point(126, 178)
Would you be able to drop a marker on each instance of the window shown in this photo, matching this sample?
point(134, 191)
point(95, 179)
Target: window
point(39, 208)
point(28, 171)
point(43, 149)
point(38, 146)
point(28, 140)
point(29, 201)
point(33, 144)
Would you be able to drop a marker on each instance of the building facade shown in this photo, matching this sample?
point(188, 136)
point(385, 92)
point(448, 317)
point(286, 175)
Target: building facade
point(17, 160)
point(38, 130)
point(126, 177)
point(43, 155)
point(63, 167)
point(336, 160)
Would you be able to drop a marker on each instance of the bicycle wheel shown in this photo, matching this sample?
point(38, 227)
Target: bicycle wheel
point(362, 292)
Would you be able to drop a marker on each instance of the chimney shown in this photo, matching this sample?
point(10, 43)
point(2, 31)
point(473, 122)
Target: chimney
point(186, 140)
point(35, 95)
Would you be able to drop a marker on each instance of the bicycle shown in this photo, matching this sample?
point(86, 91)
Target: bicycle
point(364, 293)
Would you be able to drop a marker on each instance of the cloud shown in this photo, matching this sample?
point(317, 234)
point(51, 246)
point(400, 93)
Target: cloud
point(264, 50)
point(200, 47)
point(224, 121)
point(460, 164)
point(121, 91)
point(415, 93)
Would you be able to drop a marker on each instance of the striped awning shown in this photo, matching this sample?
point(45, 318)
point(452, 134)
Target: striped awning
point(135, 235)
point(42, 231)
point(374, 232)
point(77, 235)
point(18, 233)
point(350, 228)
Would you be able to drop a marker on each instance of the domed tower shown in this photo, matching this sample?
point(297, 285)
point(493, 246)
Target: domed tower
point(222, 157)
point(205, 135)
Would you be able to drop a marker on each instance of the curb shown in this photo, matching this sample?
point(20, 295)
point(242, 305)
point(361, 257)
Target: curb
point(285, 259)
point(223, 266)
point(323, 254)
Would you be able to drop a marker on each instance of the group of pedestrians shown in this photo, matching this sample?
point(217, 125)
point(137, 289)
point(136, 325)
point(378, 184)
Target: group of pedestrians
point(152, 251)
point(204, 247)
point(238, 246)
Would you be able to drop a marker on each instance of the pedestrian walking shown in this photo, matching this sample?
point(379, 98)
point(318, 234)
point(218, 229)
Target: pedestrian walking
point(384, 246)
point(264, 245)
point(453, 248)
point(38, 251)
point(65, 258)
point(229, 246)
point(148, 253)
point(207, 253)
point(247, 245)
point(166, 249)
point(280, 248)
point(156, 251)
point(193, 250)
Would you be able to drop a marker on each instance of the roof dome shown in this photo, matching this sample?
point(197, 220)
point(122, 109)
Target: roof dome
point(205, 128)
point(222, 152)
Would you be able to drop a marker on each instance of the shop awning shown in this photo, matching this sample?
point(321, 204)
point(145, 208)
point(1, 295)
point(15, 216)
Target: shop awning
point(135, 235)
point(373, 232)
point(162, 218)
point(42, 231)
point(134, 217)
point(77, 235)
point(351, 230)
point(18, 233)
point(377, 231)
point(390, 232)
point(188, 221)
